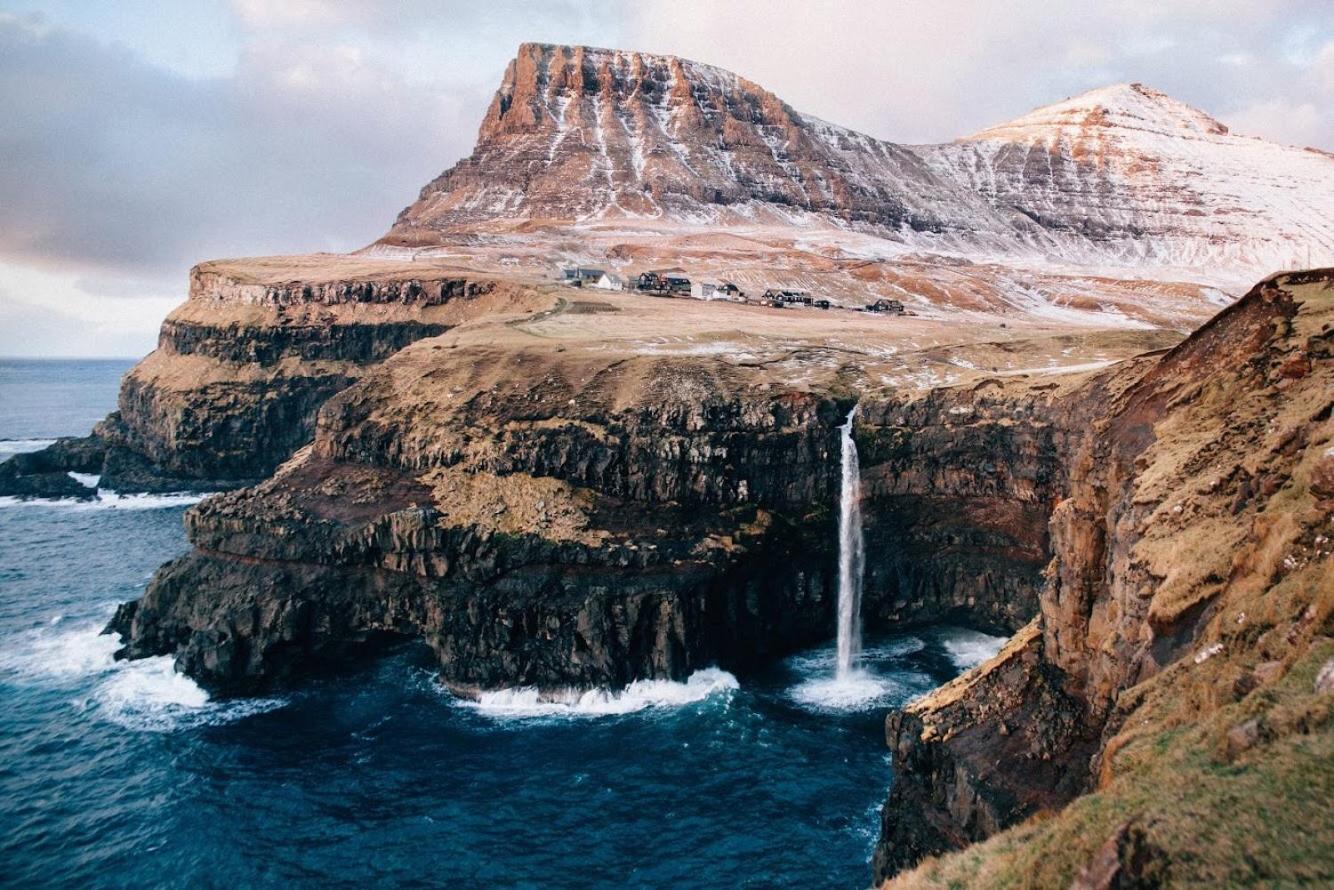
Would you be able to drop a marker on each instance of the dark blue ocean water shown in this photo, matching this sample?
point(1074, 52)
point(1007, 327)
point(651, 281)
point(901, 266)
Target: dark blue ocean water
point(128, 775)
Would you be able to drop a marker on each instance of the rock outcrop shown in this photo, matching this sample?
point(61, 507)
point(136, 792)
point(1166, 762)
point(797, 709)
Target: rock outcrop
point(577, 511)
point(1190, 574)
point(242, 366)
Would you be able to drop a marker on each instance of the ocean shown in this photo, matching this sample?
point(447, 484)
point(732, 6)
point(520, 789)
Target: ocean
point(128, 774)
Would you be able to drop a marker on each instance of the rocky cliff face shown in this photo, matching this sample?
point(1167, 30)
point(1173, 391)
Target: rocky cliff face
point(1120, 175)
point(1190, 576)
point(584, 516)
point(661, 525)
point(577, 132)
point(242, 366)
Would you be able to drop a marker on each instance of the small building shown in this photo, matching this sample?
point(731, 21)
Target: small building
point(608, 281)
point(663, 282)
point(892, 307)
point(578, 276)
point(704, 290)
point(795, 297)
point(678, 285)
point(822, 304)
point(729, 290)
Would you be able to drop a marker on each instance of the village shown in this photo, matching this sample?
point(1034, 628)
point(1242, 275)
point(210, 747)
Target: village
point(676, 283)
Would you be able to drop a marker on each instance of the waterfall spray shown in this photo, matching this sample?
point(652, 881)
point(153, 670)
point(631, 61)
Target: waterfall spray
point(850, 559)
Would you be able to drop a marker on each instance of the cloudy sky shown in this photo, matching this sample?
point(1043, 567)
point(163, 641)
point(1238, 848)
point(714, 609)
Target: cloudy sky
point(140, 137)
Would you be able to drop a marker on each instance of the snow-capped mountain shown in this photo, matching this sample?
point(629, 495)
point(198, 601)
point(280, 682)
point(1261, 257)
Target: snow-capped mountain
point(576, 132)
point(1122, 175)
point(1128, 173)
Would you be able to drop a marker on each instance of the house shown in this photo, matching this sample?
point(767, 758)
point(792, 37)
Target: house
point(798, 297)
point(649, 281)
point(822, 304)
point(729, 290)
point(578, 276)
point(703, 290)
point(893, 307)
point(608, 281)
point(677, 285)
point(663, 282)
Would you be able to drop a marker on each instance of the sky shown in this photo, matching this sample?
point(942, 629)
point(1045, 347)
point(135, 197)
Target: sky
point(139, 138)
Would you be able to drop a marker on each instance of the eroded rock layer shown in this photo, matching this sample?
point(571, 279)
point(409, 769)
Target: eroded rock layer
point(1173, 667)
point(583, 515)
point(242, 366)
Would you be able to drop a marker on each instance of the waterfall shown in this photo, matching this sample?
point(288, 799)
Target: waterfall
point(850, 560)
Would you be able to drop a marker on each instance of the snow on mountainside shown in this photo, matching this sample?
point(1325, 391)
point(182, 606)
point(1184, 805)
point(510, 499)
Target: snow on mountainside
point(579, 133)
point(1128, 173)
point(580, 138)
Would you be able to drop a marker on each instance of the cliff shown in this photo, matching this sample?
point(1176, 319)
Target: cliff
point(241, 367)
point(546, 502)
point(1172, 675)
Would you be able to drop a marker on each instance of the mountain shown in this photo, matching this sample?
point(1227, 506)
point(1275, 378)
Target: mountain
point(1138, 176)
point(576, 132)
point(1123, 175)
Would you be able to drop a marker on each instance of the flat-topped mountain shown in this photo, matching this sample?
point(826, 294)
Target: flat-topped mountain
point(1118, 175)
point(577, 133)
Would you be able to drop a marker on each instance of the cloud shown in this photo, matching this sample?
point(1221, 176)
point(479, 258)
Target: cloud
point(115, 164)
point(920, 71)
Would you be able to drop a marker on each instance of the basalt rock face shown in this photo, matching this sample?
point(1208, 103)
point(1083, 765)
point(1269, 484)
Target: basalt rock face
point(635, 537)
point(1190, 573)
point(958, 487)
point(574, 519)
point(241, 368)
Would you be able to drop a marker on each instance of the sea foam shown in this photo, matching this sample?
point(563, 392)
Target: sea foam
point(528, 702)
point(969, 648)
point(11, 447)
point(854, 691)
point(147, 694)
point(107, 499)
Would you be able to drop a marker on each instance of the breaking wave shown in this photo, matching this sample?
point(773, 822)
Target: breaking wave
point(11, 447)
point(529, 702)
point(106, 499)
point(146, 695)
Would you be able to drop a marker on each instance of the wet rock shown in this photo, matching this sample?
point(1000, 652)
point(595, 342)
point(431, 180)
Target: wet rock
point(45, 473)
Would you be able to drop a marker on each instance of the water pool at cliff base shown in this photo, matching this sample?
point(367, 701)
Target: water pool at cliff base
point(115, 774)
